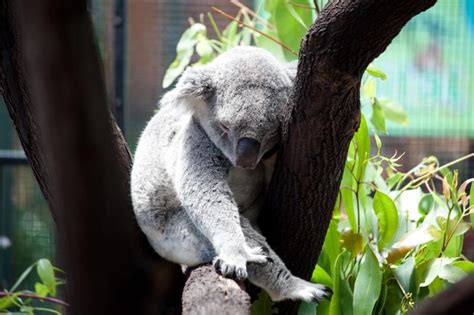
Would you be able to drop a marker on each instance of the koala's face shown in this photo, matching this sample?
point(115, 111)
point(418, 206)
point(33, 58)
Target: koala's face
point(239, 100)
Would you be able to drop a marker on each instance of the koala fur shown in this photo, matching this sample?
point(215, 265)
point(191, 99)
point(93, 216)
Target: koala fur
point(202, 166)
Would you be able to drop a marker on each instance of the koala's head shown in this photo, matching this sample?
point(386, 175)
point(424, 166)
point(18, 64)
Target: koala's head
point(239, 100)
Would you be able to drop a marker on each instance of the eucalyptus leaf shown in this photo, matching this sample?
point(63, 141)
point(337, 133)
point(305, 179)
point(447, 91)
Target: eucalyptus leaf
point(406, 275)
point(387, 217)
point(378, 117)
point(184, 52)
point(394, 111)
point(367, 285)
point(46, 273)
point(376, 73)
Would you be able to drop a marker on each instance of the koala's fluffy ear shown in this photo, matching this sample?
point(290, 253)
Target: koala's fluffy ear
point(195, 83)
point(292, 68)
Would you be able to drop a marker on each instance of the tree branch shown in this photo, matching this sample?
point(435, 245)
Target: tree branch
point(55, 94)
point(321, 120)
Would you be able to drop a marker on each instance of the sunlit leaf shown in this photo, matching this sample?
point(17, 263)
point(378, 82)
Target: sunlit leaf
point(378, 117)
point(376, 73)
point(370, 88)
point(362, 140)
point(387, 217)
point(409, 241)
point(331, 249)
point(367, 285)
point(321, 276)
point(8, 301)
point(435, 269)
point(394, 179)
point(465, 265)
point(184, 52)
point(393, 111)
point(41, 289)
point(46, 273)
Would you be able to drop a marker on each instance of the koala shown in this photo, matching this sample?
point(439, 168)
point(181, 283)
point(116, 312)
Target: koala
point(202, 166)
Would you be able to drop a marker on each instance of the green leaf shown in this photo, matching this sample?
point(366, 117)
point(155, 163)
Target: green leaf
point(376, 73)
point(437, 285)
point(46, 273)
point(378, 117)
point(434, 269)
point(370, 88)
point(406, 275)
point(393, 111)
point(367, 284)
point(331, 249)
point(184, 52)
point(307, 309)
point(321, 276)
point(464, 265)
point(347, 196)
point(8, 301)
point(290, 30)
point(335, 306)
point(451, 273)
point(41, 289)
point(362, 140)
point(263, 305)
point(387, 216)
point(426, 204)
point(347, 297)
point(394, 179)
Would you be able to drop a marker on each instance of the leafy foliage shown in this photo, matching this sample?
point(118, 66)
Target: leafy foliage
point(23, 301)
point(395, 237)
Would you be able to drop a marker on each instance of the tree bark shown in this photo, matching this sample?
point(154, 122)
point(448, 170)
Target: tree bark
point(53, 88)
point(206, 292)
point(321, 120)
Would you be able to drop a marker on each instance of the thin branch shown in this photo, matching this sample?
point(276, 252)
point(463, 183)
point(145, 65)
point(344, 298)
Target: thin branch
point(242, 24)
point(36, 297)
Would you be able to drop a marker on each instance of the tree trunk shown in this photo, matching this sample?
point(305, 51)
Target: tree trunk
point(54, 91)
point(321, 120)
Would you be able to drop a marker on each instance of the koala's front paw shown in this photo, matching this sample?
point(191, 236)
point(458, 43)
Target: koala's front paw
point(233, 263)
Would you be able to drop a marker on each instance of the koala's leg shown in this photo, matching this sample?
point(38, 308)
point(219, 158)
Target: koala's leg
point(174, 237)
point(275, 278)
point(200, 181)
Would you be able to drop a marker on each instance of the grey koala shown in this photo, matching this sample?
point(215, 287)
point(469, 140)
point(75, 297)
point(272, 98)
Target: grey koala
point(202, 166)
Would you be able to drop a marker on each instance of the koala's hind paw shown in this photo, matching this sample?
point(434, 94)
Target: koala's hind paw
point(311, 292)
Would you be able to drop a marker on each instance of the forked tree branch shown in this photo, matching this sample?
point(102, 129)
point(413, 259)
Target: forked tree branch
point(321, 120)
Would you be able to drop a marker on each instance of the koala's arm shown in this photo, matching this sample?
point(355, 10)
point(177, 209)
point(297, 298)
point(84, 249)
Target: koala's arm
point(200, 182)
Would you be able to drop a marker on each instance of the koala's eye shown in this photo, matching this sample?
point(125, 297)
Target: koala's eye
point(224, 127)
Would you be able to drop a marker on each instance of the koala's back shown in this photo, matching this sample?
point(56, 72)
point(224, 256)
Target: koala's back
point(151, 180)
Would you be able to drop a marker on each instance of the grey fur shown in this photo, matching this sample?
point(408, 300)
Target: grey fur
point(196, 184)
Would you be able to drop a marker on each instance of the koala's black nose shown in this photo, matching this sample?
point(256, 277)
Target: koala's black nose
point(247, 152)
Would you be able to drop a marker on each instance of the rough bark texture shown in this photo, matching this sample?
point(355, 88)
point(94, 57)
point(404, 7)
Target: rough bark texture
point(206, 292)
point(324, 115)
point(52, 85)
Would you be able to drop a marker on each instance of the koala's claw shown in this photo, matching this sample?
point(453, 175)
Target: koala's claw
point(230, 270)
